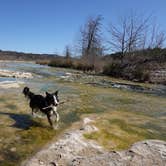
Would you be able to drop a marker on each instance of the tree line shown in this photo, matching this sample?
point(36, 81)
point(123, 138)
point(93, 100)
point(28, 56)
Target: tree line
point(133, 33)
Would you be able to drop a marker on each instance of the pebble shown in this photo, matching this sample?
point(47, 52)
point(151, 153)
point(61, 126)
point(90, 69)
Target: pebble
point(13, 149)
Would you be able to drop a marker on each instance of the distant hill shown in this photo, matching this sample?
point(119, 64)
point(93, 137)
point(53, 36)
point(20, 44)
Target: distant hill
point(12, 55)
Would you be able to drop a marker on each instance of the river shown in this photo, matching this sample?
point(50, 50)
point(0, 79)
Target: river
point(135, 111)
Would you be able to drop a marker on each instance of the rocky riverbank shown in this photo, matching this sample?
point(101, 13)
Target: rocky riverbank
point(74, 150)
point(8, 78)
point(10, 84)
point(15, 74)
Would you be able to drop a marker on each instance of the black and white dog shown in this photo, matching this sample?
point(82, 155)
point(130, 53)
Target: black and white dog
point(47, 105)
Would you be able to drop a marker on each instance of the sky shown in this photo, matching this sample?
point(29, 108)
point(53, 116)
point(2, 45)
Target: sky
point(47, 26)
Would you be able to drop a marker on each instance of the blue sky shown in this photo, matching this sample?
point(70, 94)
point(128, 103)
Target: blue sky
point(47, 26)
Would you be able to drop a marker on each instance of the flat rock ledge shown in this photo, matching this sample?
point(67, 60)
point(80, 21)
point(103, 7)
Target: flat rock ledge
point(72, 149)
point(15, 74)
point(10, 84)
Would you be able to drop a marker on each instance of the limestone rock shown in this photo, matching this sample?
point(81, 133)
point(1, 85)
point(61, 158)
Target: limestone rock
point(72, 149)
point(15, 74)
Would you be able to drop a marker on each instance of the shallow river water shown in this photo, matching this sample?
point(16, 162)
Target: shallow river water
point(123, 111)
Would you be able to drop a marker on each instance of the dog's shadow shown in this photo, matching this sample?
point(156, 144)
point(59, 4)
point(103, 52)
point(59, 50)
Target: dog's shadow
point(22, 121)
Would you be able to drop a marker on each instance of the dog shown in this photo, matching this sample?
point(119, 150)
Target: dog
point(47, 105)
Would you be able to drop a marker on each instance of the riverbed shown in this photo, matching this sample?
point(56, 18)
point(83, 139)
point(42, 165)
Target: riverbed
point(124, 112)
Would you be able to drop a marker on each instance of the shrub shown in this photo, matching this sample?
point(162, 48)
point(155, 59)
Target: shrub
point(113, 69)
point(60, 63)
point(140, 74)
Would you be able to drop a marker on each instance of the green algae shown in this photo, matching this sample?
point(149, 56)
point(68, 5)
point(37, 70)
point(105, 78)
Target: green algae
point(122, 117)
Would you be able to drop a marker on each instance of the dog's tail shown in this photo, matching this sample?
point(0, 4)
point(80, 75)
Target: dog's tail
point(27, 93)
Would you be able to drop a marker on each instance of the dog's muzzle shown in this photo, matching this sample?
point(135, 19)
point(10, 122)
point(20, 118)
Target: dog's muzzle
point(56, 104)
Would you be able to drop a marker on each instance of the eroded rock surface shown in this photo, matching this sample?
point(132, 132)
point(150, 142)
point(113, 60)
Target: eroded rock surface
point(10, 84)
point(15, 74)
point(72, 149)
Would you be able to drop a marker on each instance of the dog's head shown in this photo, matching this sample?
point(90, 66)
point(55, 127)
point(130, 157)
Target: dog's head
point(25, 91)
point(52, 98)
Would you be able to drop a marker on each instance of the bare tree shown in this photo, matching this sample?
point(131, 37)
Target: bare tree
point(67, 55)
point(91, 46)
point(118, 38)
point(160, 39)
point(129, 35)
point(135, 33)
point(157, 37)
point(67, 52)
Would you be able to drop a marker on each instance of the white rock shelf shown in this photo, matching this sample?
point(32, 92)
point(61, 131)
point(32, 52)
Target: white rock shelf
point(72, 149)
point(15, 74)
point(10, 84)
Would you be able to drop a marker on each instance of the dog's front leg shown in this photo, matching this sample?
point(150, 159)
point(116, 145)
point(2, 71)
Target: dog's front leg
point(57, 116)
point(32, 112)
point(55, 113)
point(49, 119)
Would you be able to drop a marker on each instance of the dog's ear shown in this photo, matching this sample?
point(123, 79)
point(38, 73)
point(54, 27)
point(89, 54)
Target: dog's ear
point(56, 93)
point(26, 88)
point(47, 93)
